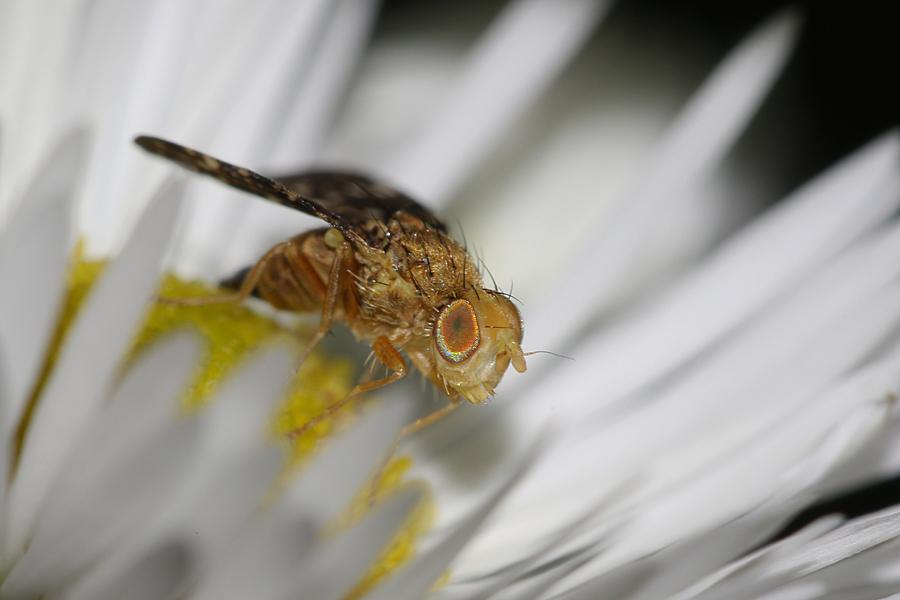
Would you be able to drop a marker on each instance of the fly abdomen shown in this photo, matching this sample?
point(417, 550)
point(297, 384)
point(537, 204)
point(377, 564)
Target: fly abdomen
point(296, 276)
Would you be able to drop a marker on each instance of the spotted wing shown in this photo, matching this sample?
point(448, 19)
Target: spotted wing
point(366, 204)
point(248, 181)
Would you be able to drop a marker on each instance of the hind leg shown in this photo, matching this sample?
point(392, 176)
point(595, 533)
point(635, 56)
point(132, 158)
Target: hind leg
point(242, 293)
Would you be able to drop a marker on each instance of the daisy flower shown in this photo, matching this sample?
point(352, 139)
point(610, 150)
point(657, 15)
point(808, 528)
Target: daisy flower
point(730, 368)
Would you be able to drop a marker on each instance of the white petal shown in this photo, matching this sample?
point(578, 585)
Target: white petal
point(36, 50)
point(205, 72)
point(765, 555)
point(88, 510)
point(878, 461)
point(523, 51)
point(535, 584)
point(302, 134)
point(80, 529)
point(858, 536)
point(311, 116)
point(33, 257)
point(269, 549)
point(694, 145)
point(225, 477)
point(330, 570)
point(260, 561)
point(234, 464)
point(247, 136)
point(677, 435)
point(681, 564)
point(537, 562)
point(343, 466)
point(749, 270)
point(785, 462)
point(415, 579)
point(100, 86)
point(144, 403)
point(5, 450)
point(89, 361)
point(161, 574)
point(736, 372)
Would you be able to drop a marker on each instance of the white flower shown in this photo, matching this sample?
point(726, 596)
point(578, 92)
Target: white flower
point(716, 389)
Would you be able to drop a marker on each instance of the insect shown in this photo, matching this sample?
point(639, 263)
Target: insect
point(387, 267)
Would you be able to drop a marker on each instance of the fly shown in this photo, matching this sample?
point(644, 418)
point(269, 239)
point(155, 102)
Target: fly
point(384, 265)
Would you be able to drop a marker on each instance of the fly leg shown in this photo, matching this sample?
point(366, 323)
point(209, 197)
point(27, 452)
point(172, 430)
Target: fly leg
point(409, 429)
point(388, 355)
point(247, 286)
point(336, 282)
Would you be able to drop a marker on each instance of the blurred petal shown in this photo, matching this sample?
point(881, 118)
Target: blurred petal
point(739, 279)
point(530, 42)
point(416, 578)
point(112, 466)
point(33, 256)
point(693, 147)
point(287, 530)
point(88, 363)
point(342, 468)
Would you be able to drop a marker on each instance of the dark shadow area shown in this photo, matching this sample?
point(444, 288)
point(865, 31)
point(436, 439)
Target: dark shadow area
point(853, 504)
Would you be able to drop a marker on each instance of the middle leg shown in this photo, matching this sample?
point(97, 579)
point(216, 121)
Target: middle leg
point(337, 280)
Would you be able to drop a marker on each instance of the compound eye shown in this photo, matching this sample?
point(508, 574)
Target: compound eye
point(456, 331)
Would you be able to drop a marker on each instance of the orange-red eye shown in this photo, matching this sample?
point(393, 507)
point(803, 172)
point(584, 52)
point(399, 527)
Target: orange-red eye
point(456, 331)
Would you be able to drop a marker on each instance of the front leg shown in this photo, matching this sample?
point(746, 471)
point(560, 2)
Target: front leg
point(409, 429)
point(389, 356)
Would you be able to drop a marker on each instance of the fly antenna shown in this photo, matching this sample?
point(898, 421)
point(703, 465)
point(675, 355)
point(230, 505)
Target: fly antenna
point(550, 353)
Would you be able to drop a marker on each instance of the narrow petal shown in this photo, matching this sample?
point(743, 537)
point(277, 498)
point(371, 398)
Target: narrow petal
point(330, 570)
point(269, 549)
point(748, 271)
point(679, 435)
point(144, 403)
point(303, 132)
point(767, 554)
point(34, 252)
point(161, 574)
point(99, 87)
point(515, 61)
point(259, 107)
point(817, 555)
point(782, 465)
point(695, 144)
point(111, 450)
point(89, 361)
point(311, 115)
point(35, 54)
point(344, 464)
point(224, 478)
point(878, 461)
point(234, 464)
point(415, 579)
point(99, 517)
point(678, 566)
point(504, 581)
point(535, 584)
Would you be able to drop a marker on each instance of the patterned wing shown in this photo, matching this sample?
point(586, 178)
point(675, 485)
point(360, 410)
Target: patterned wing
point(362, 202)
point(254, 183)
